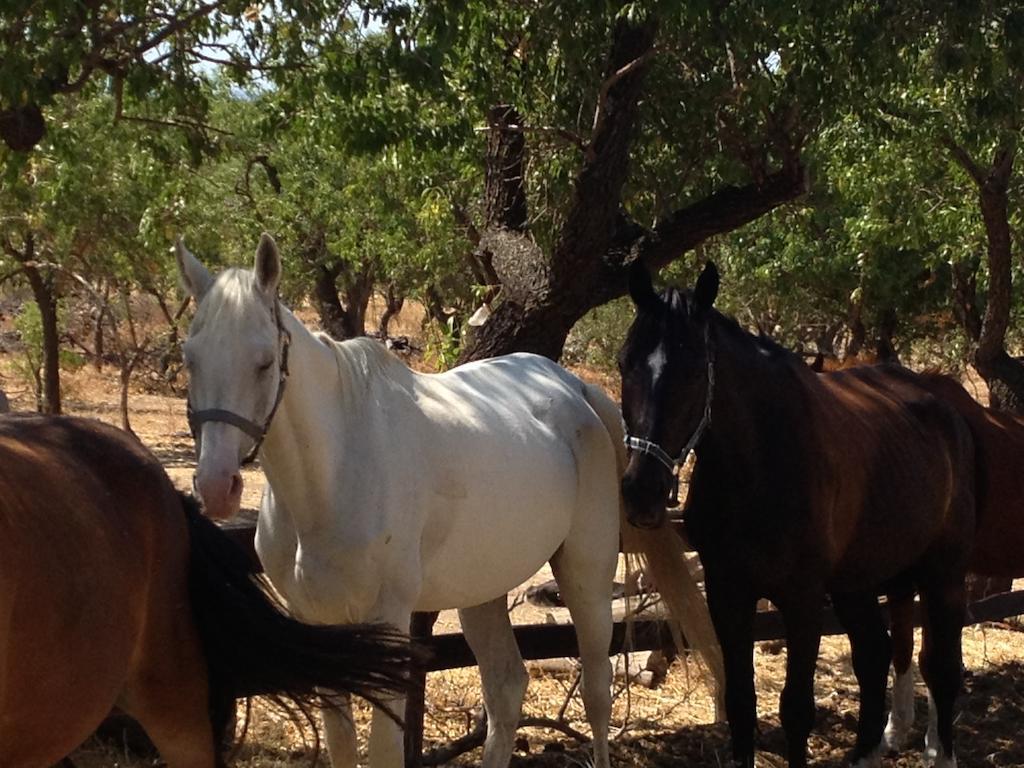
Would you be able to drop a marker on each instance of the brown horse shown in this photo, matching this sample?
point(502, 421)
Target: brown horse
point(999, 539)
point(779, 508)
point(114, 589)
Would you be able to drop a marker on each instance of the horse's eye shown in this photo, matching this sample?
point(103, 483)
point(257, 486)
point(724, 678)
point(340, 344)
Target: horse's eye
point(265, 367)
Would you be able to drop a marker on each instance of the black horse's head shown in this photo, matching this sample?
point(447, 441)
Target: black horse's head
point(667, 384)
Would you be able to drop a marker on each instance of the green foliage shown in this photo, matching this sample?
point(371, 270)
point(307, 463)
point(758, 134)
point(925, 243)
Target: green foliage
point(443, 343)
point(596, 339)
point(154, 57)
point(355, 134)
point(28, 363)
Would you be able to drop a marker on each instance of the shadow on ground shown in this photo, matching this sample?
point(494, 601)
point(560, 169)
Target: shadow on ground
point(990, 732)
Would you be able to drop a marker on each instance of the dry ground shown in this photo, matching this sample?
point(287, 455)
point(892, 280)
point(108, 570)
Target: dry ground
point(663, 727)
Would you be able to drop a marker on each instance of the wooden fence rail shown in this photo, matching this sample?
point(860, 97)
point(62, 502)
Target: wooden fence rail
point(551, 641)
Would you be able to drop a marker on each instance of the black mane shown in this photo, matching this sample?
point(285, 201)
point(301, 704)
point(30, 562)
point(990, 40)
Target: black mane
point(681, 300)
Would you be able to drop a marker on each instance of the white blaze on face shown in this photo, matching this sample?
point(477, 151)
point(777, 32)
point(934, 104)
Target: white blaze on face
point(656, 361)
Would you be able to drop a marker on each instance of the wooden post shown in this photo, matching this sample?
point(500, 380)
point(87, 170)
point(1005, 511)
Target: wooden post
point(420, 629)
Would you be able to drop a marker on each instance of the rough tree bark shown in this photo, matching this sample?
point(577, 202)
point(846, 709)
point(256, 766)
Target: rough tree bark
point(41, 279)
point(885, 348)
point(393, 303)
point(342, 313)
point(1003, 374)
point(855, 324)
point(965, 297)
point(544, 294)
point(328, 303)
point(357, 290)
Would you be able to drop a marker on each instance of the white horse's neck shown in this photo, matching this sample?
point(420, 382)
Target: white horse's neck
point(325, 407)
point(313, 408)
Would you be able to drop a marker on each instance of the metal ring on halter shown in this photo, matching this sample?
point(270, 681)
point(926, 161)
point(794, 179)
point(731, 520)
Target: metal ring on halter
point(650, 448)
point(196, 419)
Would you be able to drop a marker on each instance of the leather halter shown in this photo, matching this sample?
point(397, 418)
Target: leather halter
point(650, 448)
point(196, 419)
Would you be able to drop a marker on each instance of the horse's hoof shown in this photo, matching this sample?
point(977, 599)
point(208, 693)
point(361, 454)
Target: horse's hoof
point(894, 739)
point(936, 758)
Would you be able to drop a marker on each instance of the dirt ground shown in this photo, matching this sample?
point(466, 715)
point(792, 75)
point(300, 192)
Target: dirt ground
point(671, 725)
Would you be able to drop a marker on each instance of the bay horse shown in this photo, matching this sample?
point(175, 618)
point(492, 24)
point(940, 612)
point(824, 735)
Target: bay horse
point(114, 589)
point(391, 491)
point(999, 539)
point(848, 485)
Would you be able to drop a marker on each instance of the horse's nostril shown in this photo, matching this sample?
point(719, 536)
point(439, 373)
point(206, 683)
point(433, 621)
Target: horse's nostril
point(236, 485)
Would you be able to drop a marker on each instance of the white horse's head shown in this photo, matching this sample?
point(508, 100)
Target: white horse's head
point(236, 356)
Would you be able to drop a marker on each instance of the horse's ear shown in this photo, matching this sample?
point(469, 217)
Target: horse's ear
point(268, 265)
point(641, 289)
point(194, 276)
point(706, 290)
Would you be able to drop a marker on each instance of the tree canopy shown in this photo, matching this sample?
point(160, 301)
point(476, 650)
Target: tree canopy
point(850, 165)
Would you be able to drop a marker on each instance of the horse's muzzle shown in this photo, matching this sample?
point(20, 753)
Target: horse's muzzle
point(647, 521)
point(220, 492)
point(645, 494)
point(645, 502)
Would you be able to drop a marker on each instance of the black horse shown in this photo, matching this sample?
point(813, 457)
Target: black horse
point(849, 484)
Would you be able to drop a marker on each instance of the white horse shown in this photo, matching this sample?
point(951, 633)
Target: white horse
point(392, 491)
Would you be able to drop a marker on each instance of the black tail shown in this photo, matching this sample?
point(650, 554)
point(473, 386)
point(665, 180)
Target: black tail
point(254, 647)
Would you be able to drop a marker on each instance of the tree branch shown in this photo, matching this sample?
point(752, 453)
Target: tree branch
point(179, 23)
point(963, 158)
point(722, 211)
point(615, 78)
point(172, 123)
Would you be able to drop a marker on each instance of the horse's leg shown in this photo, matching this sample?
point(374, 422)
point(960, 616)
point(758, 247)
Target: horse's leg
point(168, 690)
point(340, 734)
point(387, 746)
point(732, 612)
point(488, 631)
point(171, 702)
point(940, 661)
point(585, 581)
point(901, 718)
point(802, 615)
point(861, 617)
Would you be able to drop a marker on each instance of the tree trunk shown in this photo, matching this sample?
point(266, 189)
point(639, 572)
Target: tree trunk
point(965, 297)
point(544, 294)
point(98, 346)
point(434, 304)
point(1003, 374)
point(127, 366)
point(1006, 383)
point(858, 333)
point(886, 347)
point(993, 200)
point(328, 304)
point(341, 319)
point(393, 305)
point(44, 293)
point(357, 288)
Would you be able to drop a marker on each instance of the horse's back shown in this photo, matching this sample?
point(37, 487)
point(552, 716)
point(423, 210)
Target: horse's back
point(999, 447)
point(516, 385)
point(79, 539)
point(903, 471)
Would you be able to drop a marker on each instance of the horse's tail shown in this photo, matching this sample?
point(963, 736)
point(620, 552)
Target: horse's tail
point(254, 647)
point(662, 551)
